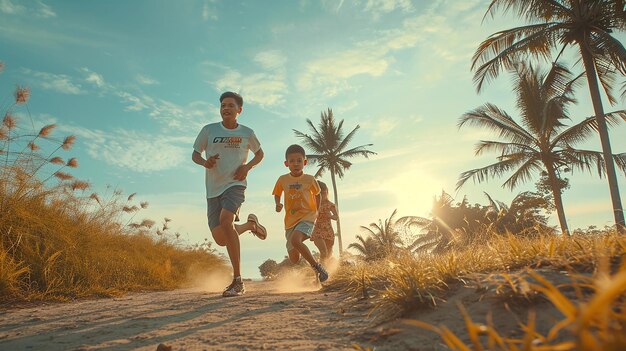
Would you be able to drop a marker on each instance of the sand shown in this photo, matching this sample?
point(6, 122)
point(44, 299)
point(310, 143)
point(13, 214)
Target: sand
point(270, 316)
point(265, 318)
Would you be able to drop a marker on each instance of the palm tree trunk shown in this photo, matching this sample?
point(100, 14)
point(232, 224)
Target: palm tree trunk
point(558, 200)
point(332, 177)
point(594, 89)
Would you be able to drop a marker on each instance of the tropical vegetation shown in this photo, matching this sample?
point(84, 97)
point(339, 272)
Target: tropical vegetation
point(542, 142)
point(553, 26)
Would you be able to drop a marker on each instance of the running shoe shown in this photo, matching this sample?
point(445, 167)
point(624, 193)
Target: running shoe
point(321, 272)
point(260, 231)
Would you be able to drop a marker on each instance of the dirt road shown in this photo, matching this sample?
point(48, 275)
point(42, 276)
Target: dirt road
point(263, 319)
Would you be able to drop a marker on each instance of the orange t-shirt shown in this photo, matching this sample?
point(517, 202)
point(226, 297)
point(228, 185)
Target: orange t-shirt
point(300, 192)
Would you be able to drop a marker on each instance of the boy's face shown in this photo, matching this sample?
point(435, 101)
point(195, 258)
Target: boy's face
point(230, 109)
point(296, 163)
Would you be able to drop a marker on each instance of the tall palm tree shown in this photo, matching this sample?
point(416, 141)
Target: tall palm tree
point(586, 24)
point(542, 142)
point(330, 151)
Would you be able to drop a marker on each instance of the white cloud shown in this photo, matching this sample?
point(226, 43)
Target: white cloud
point(42, 11)
point(165, 112)
point(45, 11)
point(131, 150)
point(146, 80)
point(6, 6)
point(371, 57)
point(58, 82)
point(135, 103)
point(137, 151)
point(262, 88)
point(93, 77)
point(271, 59)
point(381, 7)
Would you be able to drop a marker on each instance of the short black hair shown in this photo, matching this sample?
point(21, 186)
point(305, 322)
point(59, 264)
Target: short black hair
point(230, 94)
point(295, 149)
point(323, 186)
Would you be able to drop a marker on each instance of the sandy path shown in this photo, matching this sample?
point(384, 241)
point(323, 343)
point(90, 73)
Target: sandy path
point(189, 320)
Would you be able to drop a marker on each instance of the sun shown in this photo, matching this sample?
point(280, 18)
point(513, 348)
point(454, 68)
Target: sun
point(414, 192)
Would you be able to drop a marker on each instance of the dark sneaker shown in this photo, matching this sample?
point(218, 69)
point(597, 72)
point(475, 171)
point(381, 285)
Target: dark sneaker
point(236, 288)
point(260, 231)
point(321, 272)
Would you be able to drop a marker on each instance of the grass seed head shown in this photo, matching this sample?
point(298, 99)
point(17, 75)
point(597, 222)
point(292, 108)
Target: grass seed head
point(46, 130)
point(21, 94)
point(57, 160)
point(63, 175)
point(68, 142)
point(9, 121)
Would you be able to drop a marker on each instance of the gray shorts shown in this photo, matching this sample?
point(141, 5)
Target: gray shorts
point(304, 227)
point(230, 200)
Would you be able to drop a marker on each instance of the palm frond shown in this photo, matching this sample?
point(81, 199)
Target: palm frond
point(576, 133)
point(502, 148)
point(620, 161)
point(584, 160)
point(523, 173)
point(504, 49)
point(606, 75)
point(491, 117)
point(480, 175)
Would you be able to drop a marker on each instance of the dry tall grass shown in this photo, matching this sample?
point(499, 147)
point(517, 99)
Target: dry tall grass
point(59, 241)
point(594, 319)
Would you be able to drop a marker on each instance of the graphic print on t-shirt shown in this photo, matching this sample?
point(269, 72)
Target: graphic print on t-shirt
point(295, 197)
point(231, 142)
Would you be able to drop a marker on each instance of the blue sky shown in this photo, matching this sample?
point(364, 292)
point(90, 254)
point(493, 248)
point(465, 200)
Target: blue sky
point(135, 81)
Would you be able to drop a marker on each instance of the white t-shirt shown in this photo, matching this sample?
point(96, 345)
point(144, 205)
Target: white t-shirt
point(232, 145)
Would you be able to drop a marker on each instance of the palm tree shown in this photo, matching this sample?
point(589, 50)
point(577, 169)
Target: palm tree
point(450, 226)
point(385, 235)
point(542, 142)
point(587, 24)
point(522, 216)
point(331, 153)
point(367, 248)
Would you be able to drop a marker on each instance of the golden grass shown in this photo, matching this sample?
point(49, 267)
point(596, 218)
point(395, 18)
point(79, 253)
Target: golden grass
point(57, 241)
point(594, 319)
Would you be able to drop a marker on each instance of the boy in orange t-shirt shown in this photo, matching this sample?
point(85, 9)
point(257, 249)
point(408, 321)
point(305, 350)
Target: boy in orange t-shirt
point(301, 201)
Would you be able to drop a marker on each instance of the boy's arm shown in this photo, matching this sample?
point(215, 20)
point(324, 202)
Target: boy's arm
point(279, 206)
point(242, 172)
point(208, 163)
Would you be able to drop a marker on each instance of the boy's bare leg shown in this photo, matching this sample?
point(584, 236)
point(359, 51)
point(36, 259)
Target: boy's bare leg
point(294, 256)
point(297, 239)
point(225, 234)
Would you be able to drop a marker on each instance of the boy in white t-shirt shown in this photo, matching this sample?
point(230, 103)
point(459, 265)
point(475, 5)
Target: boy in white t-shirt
point(226, 146)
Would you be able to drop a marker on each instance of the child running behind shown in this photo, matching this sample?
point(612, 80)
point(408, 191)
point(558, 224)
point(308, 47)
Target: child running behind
point(301, 199)
point(323, 235)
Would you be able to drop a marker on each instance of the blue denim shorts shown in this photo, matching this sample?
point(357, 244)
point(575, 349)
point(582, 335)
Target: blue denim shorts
point(305, 227)
point(230, 200)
